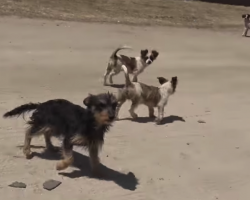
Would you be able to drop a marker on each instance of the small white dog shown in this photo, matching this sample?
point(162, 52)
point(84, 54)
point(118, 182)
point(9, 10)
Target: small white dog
point(135, 65)
point(151, 96)
point(246, 24)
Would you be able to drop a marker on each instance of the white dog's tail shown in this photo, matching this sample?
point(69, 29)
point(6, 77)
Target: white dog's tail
point(128, 82)
point(113, 55)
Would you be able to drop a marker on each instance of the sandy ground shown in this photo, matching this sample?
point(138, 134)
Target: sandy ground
point(181, 159)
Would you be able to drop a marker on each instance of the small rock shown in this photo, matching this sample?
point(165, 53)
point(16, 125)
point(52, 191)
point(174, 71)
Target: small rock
point(237, 147)
point(51, 184)
point(161, 179)
point(188, 143)
point(18, 185)
point(201, 121)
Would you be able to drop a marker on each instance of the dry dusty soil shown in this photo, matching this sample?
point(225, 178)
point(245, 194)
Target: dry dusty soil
point(180, 159)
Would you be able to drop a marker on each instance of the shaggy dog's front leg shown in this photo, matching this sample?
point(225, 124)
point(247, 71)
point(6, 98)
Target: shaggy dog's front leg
point(67, 152)
point(94, 159)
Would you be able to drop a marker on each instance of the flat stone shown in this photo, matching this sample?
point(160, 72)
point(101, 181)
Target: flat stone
point(17, 184)
point(51, 184)
point(201, 121)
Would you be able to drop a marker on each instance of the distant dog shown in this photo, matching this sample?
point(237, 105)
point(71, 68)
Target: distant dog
point(135, 65)
point(73, 123)
point(151, 96)
point(246, 18)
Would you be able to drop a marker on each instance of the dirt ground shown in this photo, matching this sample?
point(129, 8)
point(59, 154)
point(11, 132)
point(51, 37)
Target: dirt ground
point(181, 159)
point(177, 13)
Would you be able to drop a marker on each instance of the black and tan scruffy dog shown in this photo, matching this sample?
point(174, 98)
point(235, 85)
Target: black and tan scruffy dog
point(246, 18)
point(151, 96)
point(75, 124)
point(135, 65)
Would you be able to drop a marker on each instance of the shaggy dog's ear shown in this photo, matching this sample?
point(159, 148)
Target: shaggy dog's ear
point(87, 100)
point(162, 80)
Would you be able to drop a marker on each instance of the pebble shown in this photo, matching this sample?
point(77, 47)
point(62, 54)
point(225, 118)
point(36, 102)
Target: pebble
point(17, 184)
point(201, 121)
point(51, 184)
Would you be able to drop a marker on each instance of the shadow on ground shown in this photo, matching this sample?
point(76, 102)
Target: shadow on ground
point(127, 181)
point(117, 85)
point(166, 120)
point(230, 2)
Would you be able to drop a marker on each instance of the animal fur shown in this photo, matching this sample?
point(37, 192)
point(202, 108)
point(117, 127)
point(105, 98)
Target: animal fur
point(74, 124)
point(135, 65)
point(151, 96)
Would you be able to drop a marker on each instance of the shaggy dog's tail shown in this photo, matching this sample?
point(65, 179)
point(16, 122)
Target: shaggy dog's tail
point(114, 56)
point(128, 81)
point(21, 110)
point(174, 82)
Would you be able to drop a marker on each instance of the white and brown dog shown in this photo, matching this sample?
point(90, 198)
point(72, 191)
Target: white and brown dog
point(135, 65)
point(151, 96)
point(246, 18)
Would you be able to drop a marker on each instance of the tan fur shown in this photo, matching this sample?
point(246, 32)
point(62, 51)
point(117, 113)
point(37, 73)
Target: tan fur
point(68, 159)
point(102, 118)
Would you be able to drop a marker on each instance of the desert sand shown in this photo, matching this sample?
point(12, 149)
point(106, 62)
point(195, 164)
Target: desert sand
point(180, 159)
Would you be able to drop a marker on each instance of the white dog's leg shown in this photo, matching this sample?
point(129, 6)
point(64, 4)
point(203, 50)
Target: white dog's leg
point(151, 112)
point(245, 32)
point(134, 105)
point(120, 103)
point(135, 79)
point(113, 73)
point(160, 114)
point(105, 76)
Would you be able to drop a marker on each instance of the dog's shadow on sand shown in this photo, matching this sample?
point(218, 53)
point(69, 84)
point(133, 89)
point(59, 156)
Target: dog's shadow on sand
point(127, 181)
point(117, 85)
point(166, 120)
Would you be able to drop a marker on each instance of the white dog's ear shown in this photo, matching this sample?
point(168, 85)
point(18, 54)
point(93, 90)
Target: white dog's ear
point(87, 100)
point(162, 80)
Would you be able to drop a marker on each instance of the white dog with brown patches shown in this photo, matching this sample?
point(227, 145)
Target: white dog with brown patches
point(151, 96)
point(135, 65)
point(246, 24)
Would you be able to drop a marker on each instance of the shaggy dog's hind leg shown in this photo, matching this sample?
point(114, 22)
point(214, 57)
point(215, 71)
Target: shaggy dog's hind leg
point(26, 147)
